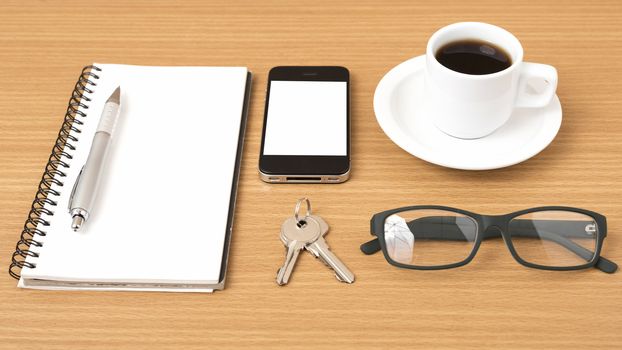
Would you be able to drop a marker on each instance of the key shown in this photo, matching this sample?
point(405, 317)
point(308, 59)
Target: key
point(296, 235)
point(321, 250)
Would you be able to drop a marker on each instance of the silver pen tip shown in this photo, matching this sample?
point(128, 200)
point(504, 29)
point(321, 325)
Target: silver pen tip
point(77, 222)
point(116, 96)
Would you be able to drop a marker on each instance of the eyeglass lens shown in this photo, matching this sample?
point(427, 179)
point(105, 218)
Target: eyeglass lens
point(554, 238)
point(429, 237)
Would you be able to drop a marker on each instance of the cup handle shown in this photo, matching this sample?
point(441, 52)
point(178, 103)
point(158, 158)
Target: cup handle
point(527, 96)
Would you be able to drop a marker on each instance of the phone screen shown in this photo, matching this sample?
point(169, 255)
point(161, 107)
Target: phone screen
point(306, 118)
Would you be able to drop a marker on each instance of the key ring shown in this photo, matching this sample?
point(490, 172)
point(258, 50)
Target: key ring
point(296, 217)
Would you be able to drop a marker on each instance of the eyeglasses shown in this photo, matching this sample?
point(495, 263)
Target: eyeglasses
point(437, 237)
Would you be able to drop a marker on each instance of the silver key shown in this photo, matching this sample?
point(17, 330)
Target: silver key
point(296, 234)
point(320, 249)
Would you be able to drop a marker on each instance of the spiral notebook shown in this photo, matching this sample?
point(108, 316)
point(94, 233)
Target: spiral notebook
point(163, 216)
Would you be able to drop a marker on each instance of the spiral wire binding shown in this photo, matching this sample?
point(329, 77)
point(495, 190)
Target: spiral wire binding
point(54, 171)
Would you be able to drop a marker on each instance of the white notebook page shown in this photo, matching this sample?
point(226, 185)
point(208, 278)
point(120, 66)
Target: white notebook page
point(161, 212)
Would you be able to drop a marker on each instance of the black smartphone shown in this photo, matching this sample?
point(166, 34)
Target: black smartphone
point(306, 128)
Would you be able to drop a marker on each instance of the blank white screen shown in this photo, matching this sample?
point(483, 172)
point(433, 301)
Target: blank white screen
point(307, 118)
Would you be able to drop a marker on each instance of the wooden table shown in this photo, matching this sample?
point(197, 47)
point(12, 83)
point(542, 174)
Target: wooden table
point(491, 303)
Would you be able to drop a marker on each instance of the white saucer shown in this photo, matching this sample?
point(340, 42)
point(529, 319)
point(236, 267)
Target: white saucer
point(398, 104)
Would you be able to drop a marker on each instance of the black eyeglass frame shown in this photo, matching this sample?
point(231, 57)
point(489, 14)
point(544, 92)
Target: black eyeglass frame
point(484, 225)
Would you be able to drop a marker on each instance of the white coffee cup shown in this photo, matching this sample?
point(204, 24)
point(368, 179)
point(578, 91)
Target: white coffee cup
point(473, 106)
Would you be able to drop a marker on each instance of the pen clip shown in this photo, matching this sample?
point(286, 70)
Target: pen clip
point(73, 190)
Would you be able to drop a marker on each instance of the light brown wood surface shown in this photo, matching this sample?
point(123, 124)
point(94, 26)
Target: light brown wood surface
point(491, 303)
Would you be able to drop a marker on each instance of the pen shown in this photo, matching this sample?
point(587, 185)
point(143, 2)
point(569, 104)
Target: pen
point(85, 188)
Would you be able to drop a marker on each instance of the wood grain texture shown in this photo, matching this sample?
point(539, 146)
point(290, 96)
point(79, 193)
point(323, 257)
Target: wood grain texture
point(491, 303)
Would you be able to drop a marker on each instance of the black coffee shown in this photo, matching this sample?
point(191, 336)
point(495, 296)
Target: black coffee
point(473, 56)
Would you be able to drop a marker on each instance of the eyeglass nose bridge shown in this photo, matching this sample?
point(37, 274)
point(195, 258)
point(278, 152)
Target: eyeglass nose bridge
point(495, 226)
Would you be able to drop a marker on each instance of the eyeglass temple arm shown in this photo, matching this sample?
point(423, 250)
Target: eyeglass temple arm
point(446, 228)
point(442, 229)
point(371, 247)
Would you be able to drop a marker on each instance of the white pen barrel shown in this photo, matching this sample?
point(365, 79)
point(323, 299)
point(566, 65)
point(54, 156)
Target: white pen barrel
point(108, 118)
point(84, 195)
